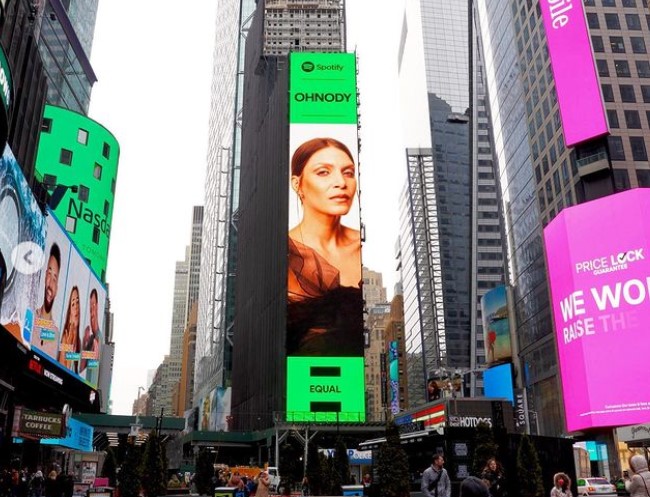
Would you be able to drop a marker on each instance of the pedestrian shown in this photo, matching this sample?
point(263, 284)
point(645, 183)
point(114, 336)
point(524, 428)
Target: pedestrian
point(493, 474)
point(240, 489)
point(639, 484)
point(52, 485)
point(36, 485)
point(366, 481)
point(304, 487)
point(562, 486)
point(262, 485)
point(473, 487)
point(435, 480)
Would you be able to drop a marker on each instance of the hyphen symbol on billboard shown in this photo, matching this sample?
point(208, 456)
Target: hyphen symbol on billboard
point(307, 66)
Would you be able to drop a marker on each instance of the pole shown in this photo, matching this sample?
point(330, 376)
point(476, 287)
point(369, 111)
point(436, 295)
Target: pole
point(277, 446)
point(306, 449)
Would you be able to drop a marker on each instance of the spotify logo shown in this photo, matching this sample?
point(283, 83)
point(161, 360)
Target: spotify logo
point(307, 66)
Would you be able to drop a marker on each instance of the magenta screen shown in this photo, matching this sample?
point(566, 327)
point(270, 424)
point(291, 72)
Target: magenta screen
point(598, 257)
point(576, 81)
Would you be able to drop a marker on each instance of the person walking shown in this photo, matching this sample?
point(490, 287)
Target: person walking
point(52, 487)
point(561, 486)
point(435, 480)
point(639, 484)
point(473, 487)
point(493, 474)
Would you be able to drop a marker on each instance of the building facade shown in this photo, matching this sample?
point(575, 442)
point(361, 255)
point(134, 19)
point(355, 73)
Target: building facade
point(450, 237)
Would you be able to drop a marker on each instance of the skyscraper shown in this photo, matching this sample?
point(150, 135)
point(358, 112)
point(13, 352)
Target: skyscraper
point(449, 208)
point(218, 249)
point(540, 174)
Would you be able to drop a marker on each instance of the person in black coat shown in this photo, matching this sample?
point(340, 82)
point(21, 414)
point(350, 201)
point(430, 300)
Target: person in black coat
point(494, 478)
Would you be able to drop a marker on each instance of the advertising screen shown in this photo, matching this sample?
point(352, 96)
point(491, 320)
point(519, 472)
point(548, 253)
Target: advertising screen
point(393, 368)
point(497, 382)
point(324, 300)
point(214, 410)
point(53, 303)
point(496, 325)
point(574, 71)
point(598, 257)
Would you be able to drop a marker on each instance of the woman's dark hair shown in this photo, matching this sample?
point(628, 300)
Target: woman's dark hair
point(566, 481)
point(304, 152)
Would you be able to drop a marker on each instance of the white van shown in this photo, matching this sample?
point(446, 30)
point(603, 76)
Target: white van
point(274, 478)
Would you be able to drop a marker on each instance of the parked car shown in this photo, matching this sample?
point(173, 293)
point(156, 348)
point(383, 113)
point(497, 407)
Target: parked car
point(596, 486)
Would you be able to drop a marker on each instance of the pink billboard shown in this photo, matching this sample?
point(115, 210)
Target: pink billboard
point(598, 258)
point(576, 80)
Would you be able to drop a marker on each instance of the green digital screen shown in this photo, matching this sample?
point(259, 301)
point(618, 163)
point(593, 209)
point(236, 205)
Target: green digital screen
point(323, 88)
point(325, 389)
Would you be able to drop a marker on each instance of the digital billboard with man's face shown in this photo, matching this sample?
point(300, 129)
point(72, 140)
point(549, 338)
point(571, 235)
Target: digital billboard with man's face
point(598, 257)
point(53, 303)
point(325, 306)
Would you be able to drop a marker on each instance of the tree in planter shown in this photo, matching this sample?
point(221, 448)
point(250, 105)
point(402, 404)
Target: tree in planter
point(529, 472)
point(204, 472)
point(154, 472)
point(314, 471)
point(484, 447)
point(328, 478)
point(129, 476)
point(109, 468)
point(341, 464)
point(393, 466)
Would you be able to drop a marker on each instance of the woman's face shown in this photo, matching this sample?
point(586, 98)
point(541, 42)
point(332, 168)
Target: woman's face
point(492, 465)
point(74, 310)
point(327, 183)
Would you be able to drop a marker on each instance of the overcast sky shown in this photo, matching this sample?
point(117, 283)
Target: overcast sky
point(153, 60)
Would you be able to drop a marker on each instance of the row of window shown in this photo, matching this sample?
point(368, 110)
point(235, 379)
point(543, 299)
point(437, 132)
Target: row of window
point(82, 138)
point(617, 44)
point(612, 21)
point(628, 95)
point(637, 146)
point(622, 68)
point(51, 181)
point(613, 3)
point(71, 227)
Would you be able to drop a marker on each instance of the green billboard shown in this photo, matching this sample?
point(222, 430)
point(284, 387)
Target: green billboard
point(323, 88)
point(325, 389)
point(324, 340)
point(77, 161)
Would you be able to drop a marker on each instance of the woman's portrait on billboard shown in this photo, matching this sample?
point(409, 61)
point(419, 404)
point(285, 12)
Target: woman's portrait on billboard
point(70, 342)
point(324, 277)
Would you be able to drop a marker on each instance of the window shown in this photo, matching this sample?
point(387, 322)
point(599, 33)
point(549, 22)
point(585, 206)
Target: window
point(645, 91)
point(639, 152)
point(643, 177)
point(608, 93)
point(632, 119)
point(616, 44)
point(96, 235)
point(643, 68)
point(647, 116)
point(633, 22)
point(627, 93)
point(622, 68)
point(609, 3)
point(612, 22)
point(629, 3)
point(70, 224)
point(603, 68)
point(46, 125)
point(612, 118)
point(106, 151)
point(82, 136)
point(107, 206)
point(621, 180)
point(592, 20)
point(97, 171)
point(616, 151)
point(113, 186)
point(638, 44)
point(66, 157)
point(597, 43)
point(84, 193)
point(49, 180)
